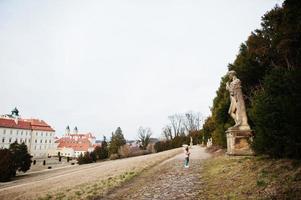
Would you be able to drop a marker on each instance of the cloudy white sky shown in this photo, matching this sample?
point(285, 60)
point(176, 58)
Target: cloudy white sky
point(103, 64)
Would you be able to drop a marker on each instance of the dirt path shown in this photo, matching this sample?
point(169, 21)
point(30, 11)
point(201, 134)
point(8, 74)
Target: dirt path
point(67, 181)
point(169, 180)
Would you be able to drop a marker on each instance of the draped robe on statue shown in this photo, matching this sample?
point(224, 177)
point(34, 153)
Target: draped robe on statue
point(237, 108)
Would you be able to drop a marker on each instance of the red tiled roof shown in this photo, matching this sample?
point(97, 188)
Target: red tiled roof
point(11, 123)
point(76, 145)
point(39, 125)
point(31, 124)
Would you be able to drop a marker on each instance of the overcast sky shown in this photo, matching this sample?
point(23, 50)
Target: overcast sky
point(103, 64)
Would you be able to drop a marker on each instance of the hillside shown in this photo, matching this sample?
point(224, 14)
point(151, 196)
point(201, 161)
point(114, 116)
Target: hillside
point(226, 177)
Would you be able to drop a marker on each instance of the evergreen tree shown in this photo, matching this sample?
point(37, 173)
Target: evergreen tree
point(101, 152)
point(221, 121)
point(21, 159)
point(274, 112)
point(268, 65)
point(117, 140)
point(104, 149)
point(6, 165)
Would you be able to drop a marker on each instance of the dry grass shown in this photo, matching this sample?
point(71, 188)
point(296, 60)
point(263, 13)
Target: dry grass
point(250, 178)
point(92, 190)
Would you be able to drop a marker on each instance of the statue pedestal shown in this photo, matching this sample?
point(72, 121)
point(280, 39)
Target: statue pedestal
point(238, 142)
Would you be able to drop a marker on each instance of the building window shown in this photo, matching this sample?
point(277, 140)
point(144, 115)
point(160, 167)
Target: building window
point(35, 141)
point(46, 134)
point(26, 133)
point(3, 140)
point(25, 140)
point(41, 134)
point(4, 131)
point(28, 140)
point(45, 141)
point(9, 140)
point(41, 141)
point(35, 147)
point(21, 132)
point(11, 132)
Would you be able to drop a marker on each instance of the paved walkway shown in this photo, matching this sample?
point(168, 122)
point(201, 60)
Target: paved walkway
point(169, 180)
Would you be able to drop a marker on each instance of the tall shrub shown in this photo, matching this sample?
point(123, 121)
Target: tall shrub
point(21, 159)
point(275, 111)
point(6, 165)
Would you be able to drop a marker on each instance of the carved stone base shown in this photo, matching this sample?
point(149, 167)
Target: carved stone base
point(238, 142)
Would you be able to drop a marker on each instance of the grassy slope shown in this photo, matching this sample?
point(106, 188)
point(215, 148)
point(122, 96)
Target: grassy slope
point(251, 178)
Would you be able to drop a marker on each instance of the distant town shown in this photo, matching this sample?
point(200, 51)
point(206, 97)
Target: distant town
point(41, 140)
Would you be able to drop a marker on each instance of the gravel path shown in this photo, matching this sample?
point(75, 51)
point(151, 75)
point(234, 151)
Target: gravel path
point(169, 180)
point(35, 185)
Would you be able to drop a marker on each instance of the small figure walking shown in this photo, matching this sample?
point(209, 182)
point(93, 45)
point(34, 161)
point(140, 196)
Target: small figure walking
point(187, 154)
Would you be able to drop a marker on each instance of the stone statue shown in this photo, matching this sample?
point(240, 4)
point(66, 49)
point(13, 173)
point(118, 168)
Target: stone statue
point(237, 108)
point(15, 112)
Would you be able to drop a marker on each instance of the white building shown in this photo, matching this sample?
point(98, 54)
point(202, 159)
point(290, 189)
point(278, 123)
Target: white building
point(35, 133)
point(72, 145)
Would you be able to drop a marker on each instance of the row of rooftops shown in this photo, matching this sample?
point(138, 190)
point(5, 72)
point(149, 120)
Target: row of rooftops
point(78, 141)
point(25, 124)
point(73, 140)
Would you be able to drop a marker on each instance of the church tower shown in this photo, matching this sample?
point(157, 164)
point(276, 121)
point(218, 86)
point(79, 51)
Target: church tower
point(67, 131)
point(75, 131)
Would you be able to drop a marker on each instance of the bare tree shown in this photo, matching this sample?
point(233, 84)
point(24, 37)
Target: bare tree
point(181, 124)
point(192, 121)
point(176, 122)
point(167, 132)
point(144, 135)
